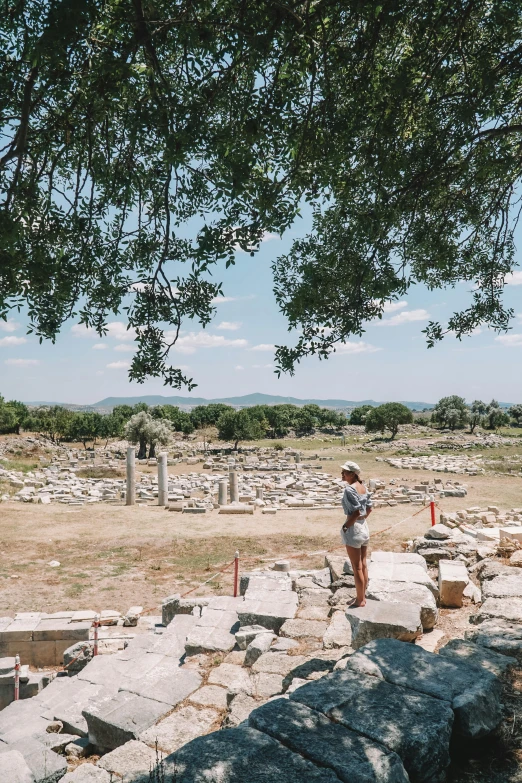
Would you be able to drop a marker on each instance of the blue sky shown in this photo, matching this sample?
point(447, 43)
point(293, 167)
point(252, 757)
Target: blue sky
point(234, 355)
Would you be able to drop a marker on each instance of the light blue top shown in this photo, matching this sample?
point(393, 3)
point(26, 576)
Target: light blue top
point(352, 501)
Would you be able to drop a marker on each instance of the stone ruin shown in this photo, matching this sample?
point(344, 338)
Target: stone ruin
point(284, 682)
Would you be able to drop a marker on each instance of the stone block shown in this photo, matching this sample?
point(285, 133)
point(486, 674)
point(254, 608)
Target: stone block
point(514, 533)
point(338, 566)
point(339, 632)
point(87, 773)
point(203, 639)
point(165, 682)
point(210, 696)
point(13, 767)
point(508, 610)
point(20, 630)
point(259, 646)
point(383, 619)
point(62, 630)
point(503, 586)
point(438, 533)
point(237, 509)
point(45, 765)
point(242, 755)
point(402, 572)
point(406, 593)
point(303, 629)
point(180, 727)
point(415, 726)
point(122, 718)
point(477, 656)
point(247, 634)
point(411, 558)
point(498, 635)
point(239, 709)
point(269, 610)
point(349, 755)
point(473, 694)
point(278, 663)
point(129, 761)
point(174, 605)
point(230, 676)
point(453, 578)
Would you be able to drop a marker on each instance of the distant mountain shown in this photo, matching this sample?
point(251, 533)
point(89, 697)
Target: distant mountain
point(245, 401)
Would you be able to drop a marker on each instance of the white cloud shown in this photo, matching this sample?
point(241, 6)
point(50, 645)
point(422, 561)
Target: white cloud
point(189, 343)
point(115, 329)
point(9, 326)
point(224, 299)
point(5, 341)
point(262, 366)
point(263, 347)
point(511, 340)
point(22, 362)
point(514, 278)
point(124, 347)
point(406, 317)
point(392, 307)
point(118, 365)
point(239, 367)
point(360, 347)
point(99, 347)
point(229, 326)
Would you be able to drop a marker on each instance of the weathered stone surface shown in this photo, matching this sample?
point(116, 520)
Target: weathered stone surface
point(339, 632)
point(76, 657)
point(259, 646)
point(79, 748)
point(416, 727)
point(509, 610)
point(303, 629)
point(175, 604)
point(14, 769)
point(247, 634)
point(129, 760)
point(516, 558)
point(489, 569)
point(453, 578)
point(383, 619)
point(315, 667)
point(264, 685)
point(203, 639)
point(87, 773)
point(282, 645)
point(45, 765)
point(210, 696)
point(242, 755)
point(338, 566)
point(165, 682)
point(180, 727)
point(404, 593)
point(264, 580)
point(239, 710)
point(269, 609)
point(438, 533)
point(305, 731)
point(498, 635)
point(398, 557)
point(314, 613)
point(473, 694)
point(230, 676)
point(278, 663)
point(402, 572)
point(503, 586)
point(122, 718)
point(342, 597)
point(477, 656)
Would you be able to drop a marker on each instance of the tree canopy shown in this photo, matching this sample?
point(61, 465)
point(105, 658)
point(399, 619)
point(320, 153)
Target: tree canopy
point(122, 123)
point(388, 417)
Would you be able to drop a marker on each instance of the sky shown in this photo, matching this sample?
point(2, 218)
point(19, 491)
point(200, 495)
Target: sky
point(235, 354)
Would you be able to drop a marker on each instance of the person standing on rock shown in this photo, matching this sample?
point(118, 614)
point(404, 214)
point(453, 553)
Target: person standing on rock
point(355, 535)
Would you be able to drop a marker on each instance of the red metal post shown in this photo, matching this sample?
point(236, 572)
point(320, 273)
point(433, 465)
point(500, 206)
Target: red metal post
point(17, 678)
point(96, 625)
point(236, 574)
point(432, 508)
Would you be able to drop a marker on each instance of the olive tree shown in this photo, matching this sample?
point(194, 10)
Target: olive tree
point(388, 417)
point(143, 429)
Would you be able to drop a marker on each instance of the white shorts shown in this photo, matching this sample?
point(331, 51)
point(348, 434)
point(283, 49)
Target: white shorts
point(357, 535)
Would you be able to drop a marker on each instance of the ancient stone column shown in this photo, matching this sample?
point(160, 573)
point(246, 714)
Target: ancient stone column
point(234, 486)
point(259, 493)
point(222, 493)
point(130, 494)
point(297, 458)
point(163, 480)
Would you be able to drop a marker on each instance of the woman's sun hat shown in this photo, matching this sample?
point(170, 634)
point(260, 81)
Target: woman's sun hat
point(352, 467)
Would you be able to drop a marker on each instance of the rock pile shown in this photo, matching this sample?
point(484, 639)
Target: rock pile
point(440, 463)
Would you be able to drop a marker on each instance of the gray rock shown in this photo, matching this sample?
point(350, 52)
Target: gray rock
point(79, 749)
point(122, 718)
point(312, 668)
point(282, 645)
point(247, 634)
point(278, 663)
point(13, 768)
point(346, 580)
point(404, 593)
point(180, 727)
point(165, 682)
point(339, 632)
point(477, 656)
point(210, 696)
point(175, 604)
point(416, 727)
point(489, 569)
point(509, 586)
point(87, 773)
point(433, 555)
point(45, 765)
point(303, 629)
point(509, 610)
point(130, 760)
point(76, 657)
point(498, 635)
point(269, 609)
point(231, 676)
point(239, 710)
point(474, 694)
point(338, 565)
point(398, 557)
point(351, 756)
point(342, 597)
point(205, 639)
point(438, 533)
point(242, 755)
point(402, 572)
point(453, 578)
point(259, 646)
point(383, 619)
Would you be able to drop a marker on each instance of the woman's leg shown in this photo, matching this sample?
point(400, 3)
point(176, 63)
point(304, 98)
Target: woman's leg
point(364, 551)
point(358, 575)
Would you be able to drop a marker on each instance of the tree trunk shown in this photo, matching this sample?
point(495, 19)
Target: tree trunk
point(152, 451)
point(142, 453)
point(235, 446)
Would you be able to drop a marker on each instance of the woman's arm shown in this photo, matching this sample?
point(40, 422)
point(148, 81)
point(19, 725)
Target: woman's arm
point(352, 519)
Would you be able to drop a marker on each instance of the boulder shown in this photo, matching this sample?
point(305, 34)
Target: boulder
point(416, 727)
point(350, 755)
point(498, 635)
point(242, 755)
point(473, 694)
point(384, 619)
point(115, 721)
point(13, 767)
point(438, 533)
point(509, 610)
point(509, 586)
point(477, 656)
point(404, 593)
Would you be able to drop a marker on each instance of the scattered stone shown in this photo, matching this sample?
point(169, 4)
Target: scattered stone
point(247, 634)
point(453, 578)
point(259, 646)
point(13, 767)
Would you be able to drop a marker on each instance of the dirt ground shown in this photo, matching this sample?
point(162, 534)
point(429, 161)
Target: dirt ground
point(113, 556)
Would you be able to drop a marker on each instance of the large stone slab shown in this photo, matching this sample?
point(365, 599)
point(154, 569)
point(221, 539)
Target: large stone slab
point(498, 635)
point(406, 593)
point(14, 769)
point(477, 656)
point(415, 726)
point(204, 639)
point(473, 694)
point(402, 572)
point(339, 632)
point(514, 533)
point(453, 578)
point(242, 755)
point(506, 609)
point(166, 682)
point(384, 619)
point(46, 766)
point(303, 629)
point(401, 558)
point(180, 727)
point(122, 718)
point(87, 773)
point(269, 609)
point(338, 566)
point(503, 586)
point(351, 756)
point(129, 761)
